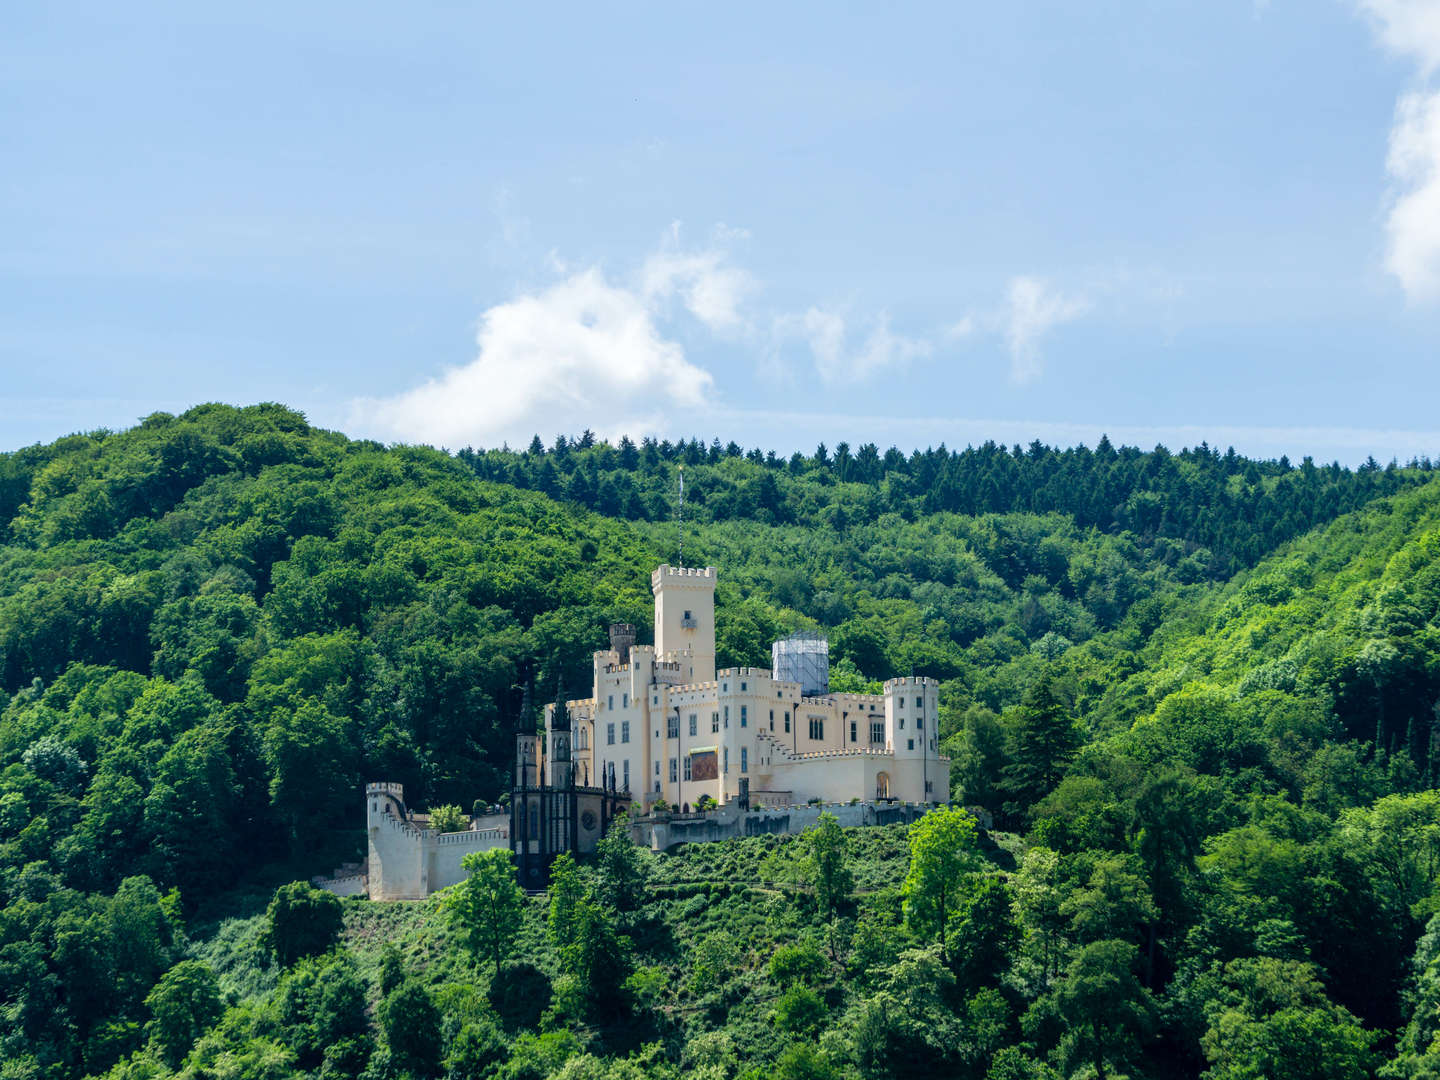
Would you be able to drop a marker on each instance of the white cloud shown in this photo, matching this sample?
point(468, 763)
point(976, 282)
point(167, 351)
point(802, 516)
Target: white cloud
point(1411, 28)
point(710, 288)
point(583, 352)
point(1407, 28)
point(836, 361)
point(1412, 228)
point(1032, 309)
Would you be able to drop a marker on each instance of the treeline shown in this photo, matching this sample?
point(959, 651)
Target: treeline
point(1238, 508)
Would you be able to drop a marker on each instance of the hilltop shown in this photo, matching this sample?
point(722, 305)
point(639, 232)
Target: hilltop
point(1194, 693)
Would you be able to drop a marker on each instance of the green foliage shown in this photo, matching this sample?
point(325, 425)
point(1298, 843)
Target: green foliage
point(943, 853)
point(302, 921)
point(485, 907)
point(183, 1004)
point(448, 818)
point(411, 1024)
point(1203, 687)
point(829, 877)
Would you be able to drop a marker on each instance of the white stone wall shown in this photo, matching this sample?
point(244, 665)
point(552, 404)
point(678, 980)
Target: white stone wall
point(407, 862)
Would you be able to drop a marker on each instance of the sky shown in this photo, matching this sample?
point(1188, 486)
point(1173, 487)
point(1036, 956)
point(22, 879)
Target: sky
point(910, 224)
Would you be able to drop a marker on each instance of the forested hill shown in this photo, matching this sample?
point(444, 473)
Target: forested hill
point(1236, 508)
point(1199, 690)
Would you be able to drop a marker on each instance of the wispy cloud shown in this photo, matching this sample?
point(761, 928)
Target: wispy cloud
point(1411, 29)
point(842, 355)
point(1033, 308)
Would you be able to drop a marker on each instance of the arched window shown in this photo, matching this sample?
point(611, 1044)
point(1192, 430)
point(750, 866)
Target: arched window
point(882, 785)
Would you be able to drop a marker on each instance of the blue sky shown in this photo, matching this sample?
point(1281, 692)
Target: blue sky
point(779, 224)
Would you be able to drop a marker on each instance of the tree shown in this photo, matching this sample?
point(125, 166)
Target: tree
point(1043, 740)
point(485, 908)
point(412, 1028)
point(447, 818)
point(1104, 1011)
point(567, 893)
point(302, 920)
point(943, 852)
point(183, 1005)
point(825, 863)
point(985, 936)
point(620, 868)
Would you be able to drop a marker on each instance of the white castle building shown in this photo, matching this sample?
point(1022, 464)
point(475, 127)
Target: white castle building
point(662, 723)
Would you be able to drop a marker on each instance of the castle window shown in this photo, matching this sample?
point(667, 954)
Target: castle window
point(853, 736)
point(727, 717)
point(919, 723)
point(672, 726)
point(744, 760)
point(787, 721)
point(877, 731)
point(727, 760)
point(609, 734)
point(744, 716)
point(624, 731)
point(657, 699)
point(901, 723)
point(610, 702)
point(627, 775)
point(624, 701)
point(919, 703)
point(772, 719)
point(714, 722)
point(725, 688)
point(742, 688)
point(674, 768)
point(817, 728)
point(692, 723)
point(686, 771)
point(912, 743)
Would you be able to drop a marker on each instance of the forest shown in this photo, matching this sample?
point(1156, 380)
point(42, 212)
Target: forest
point(1191, 700)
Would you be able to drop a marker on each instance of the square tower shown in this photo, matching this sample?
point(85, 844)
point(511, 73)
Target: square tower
point(685, 618)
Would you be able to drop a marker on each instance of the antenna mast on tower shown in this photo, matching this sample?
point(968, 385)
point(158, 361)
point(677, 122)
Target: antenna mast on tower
point(680, 517)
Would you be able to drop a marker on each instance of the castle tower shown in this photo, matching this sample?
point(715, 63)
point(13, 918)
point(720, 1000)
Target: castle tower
point(685, 618)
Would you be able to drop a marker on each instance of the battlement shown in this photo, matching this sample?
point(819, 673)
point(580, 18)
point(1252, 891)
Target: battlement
point(684, 576)
point(911, 680)
point(398, 790)
point(746, 672)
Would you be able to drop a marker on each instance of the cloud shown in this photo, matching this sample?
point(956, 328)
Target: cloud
point(583, 352)
point(1411, 28)
point(1412, 228)
point(830, 340)
point(1408, 28)
point(1032, 309)
point(710, 290)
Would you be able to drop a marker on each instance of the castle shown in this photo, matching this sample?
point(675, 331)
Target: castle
point(663, 730)
point(663, 724)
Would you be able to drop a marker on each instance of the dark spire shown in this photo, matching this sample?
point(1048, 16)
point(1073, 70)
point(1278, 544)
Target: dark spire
point(561, 720)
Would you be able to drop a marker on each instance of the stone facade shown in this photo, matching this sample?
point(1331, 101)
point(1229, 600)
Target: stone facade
point(661, 723)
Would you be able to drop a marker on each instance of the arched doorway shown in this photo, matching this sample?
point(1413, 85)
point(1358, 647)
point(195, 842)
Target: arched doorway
point(882, 785)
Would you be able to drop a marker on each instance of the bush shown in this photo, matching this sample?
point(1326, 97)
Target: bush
point(520, 994)
point(302, 921)
point(448, 819)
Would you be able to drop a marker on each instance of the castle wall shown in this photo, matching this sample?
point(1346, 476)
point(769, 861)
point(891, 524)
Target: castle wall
point(730, 822)
point(407, 862)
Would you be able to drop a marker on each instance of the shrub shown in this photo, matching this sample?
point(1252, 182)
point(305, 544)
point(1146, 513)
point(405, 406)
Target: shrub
point(302, 921)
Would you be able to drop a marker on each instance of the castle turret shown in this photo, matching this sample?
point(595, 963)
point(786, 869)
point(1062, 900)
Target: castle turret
point(685, 618)
point(558, 761)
